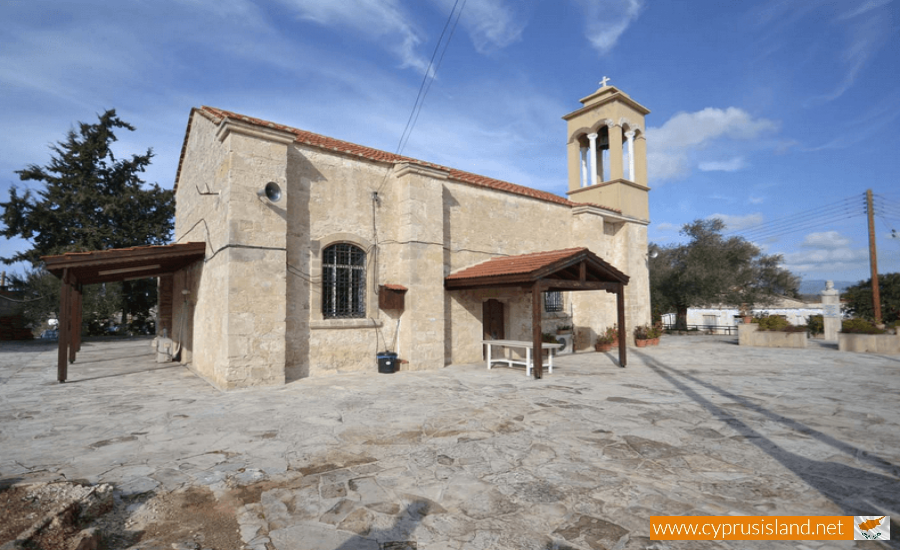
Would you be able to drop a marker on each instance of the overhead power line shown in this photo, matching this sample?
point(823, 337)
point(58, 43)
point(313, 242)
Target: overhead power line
point(427, 80)
point(811, 226)
point(803, 221)
point(431, 73)
point(851, 206)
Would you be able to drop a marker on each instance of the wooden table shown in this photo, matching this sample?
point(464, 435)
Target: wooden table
point(518, 344)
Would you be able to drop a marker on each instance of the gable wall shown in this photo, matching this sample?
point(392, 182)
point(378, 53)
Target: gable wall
point(202, 218)
point(236, 308)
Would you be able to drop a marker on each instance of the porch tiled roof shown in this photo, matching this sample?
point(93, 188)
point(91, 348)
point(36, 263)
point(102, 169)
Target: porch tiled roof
point(514, 265)
point(345, 147)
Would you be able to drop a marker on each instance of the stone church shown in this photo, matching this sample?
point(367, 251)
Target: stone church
point(320, 253)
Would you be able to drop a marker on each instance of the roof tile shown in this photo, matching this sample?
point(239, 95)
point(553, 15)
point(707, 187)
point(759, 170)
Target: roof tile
point(317, 140)
point(513, 265)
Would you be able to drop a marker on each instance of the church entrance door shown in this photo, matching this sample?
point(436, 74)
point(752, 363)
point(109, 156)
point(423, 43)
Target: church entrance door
point(493, 320)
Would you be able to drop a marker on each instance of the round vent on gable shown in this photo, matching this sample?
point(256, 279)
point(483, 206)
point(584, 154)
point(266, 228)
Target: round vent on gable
point(271, 191)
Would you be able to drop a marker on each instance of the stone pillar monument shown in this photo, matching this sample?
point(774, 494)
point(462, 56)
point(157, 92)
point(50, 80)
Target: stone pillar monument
point(831, 301)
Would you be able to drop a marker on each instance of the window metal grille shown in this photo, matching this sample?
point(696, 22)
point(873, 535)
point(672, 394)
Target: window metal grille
point(343, 281)
point(553, 301)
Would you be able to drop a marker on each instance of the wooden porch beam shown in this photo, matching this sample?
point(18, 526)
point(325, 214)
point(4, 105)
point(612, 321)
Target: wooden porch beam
point(578, 285)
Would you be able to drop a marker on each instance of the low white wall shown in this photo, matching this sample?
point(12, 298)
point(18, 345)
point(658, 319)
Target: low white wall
point(750, 335)
point(884, 344)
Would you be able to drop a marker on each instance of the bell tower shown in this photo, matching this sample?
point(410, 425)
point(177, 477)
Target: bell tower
point(607, 152)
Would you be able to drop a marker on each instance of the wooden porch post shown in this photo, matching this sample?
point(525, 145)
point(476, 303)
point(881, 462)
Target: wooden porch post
point(75, 328)
point(620, 306)
point(64, 318)
point(537, 354)
point(80, 310)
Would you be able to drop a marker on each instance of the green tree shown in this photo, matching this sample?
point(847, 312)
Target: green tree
point(711, 269)
point(41, 298)
point(859, 298)
point(89, 199)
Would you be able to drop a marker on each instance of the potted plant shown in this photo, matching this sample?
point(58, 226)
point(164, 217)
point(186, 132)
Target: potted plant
point(745, 314)
point(657, 332)
point(564, 329)
point(607, 339)
point(647, 335)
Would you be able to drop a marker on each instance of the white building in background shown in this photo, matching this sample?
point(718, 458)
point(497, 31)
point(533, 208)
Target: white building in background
point(795, 311)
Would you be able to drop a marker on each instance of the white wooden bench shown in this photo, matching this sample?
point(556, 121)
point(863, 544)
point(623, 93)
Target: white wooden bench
point(518, 344)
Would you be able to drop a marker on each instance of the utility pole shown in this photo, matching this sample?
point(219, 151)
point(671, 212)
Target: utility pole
point(873, 258)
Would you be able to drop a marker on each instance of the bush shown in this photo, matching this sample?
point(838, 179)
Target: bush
point(608, 336)
point(860, 326)
point(816, 324)
point(549, 338)
point(647, 332)
point(773, 322)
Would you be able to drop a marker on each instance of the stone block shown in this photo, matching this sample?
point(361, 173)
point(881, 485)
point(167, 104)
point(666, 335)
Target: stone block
point(883, 344)
point(750, 335)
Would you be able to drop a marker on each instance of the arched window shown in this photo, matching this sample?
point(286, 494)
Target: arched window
point(343, 281)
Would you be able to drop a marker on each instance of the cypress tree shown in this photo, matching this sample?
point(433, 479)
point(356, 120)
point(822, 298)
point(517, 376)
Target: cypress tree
point(88, 199)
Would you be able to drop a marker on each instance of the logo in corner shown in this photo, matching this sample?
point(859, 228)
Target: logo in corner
point(871, 528)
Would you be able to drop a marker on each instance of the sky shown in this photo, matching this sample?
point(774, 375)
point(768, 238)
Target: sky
point(773, 116)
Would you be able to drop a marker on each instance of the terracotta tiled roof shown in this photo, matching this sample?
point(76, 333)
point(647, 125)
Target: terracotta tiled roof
point(616, 210)
point(513, 265)
point(345, 147)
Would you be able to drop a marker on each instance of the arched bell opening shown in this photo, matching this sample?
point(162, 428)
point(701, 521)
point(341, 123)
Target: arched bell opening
point(594, 150)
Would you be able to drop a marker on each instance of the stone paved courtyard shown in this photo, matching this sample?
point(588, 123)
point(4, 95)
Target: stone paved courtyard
point(469, 458)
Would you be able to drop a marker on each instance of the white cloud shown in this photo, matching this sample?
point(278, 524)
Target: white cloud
point(864, 8)
point(491, 24)
point(672, 146)
point(59, 63)
point(865, 31)
point(606, 21)
point(666, 226)
point(756, 200)
point(827, 252)
point(829, 240)
point(731, 165)
point(374, 19)
point(737, 223)
point(243, 11)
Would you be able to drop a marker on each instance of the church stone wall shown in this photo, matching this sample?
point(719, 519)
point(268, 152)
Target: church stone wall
point(202, 218)
point(256, 257)
point(482, 224)
point(238, 315)
point(338, 208)
point(256, 311)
